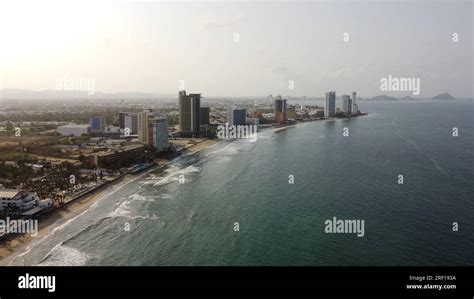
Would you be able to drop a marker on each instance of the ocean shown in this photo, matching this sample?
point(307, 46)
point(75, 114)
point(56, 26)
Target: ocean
point(156, 220)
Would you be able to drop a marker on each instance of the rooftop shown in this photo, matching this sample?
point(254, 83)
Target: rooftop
point(122, 149)
point(8, 193)
point(73, 126)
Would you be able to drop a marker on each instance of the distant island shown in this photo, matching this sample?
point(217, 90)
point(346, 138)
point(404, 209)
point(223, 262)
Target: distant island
point(443, 97)
point(440, 97)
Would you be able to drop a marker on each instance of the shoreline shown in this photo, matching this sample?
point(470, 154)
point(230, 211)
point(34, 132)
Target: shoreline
point(20, 244)
point(49, 222)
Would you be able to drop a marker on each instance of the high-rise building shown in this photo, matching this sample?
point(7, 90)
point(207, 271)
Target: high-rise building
point(270, 98)
point(205, 111)
point(330, 106)
point(291, 112)
point(236, 116)
point(142, 122)
point(281, 110)
point(189, 112)
point(129, 120)
point(145, 126)
point(354, 105)
point(122, 119)
point(97, 124)
point(346, 104)
point(160, 133)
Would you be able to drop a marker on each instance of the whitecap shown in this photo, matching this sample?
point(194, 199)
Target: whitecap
point(62, 255)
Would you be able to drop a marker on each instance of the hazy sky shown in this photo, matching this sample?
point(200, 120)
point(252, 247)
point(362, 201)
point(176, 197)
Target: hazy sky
point(151, 46)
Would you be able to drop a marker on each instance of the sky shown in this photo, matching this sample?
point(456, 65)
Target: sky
point(239, 48)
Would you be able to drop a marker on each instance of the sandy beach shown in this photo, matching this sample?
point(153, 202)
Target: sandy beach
point(17, 245)
point(201, 145)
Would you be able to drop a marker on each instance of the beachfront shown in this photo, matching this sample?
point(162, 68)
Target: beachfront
point(55, 219)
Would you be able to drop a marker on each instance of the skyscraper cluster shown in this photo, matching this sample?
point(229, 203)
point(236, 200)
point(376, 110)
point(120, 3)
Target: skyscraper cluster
point(348, 106)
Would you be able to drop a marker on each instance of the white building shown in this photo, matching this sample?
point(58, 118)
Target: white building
point(330, 106)
point(72, 129)
point(17, 199)
point(131, 122)
point(160, 133)
point(145, 123)
point(111, 130)
point(45, 203)
point(354, 105)
point(346, 104)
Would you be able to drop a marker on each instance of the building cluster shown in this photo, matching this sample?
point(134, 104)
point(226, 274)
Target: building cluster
point(149, 129)
point(284, 113)
point(349, 105)
point(96, 127)
point(152, 130)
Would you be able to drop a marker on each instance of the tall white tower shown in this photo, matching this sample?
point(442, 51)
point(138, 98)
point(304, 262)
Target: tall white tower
point(354, 105)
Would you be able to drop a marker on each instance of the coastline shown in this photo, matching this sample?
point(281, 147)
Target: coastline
point(54, 219)
point(20, 244)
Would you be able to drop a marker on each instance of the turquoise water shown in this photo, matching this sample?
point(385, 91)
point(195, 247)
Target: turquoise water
point(352, 177)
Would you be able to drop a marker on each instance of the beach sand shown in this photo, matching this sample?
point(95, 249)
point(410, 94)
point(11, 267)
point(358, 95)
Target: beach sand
point(201, 145)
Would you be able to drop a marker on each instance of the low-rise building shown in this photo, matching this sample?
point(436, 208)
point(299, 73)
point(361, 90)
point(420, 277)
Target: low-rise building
point(45, 203)
point(118, 158)
point(13, 199)
point(73, 129)
point(253, 121)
